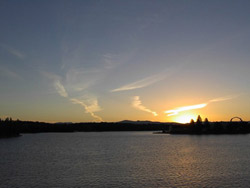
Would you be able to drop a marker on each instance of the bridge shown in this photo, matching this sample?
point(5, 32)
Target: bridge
point(231, 120)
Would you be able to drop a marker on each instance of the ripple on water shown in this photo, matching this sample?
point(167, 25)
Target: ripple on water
point(128, 159)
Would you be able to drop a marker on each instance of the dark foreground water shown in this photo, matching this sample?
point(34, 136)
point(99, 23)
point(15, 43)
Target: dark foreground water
point(124, 159)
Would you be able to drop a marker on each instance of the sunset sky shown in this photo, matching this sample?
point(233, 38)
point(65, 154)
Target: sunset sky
point(169, 60)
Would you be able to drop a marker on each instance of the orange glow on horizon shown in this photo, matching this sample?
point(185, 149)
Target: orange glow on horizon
point(184, 118)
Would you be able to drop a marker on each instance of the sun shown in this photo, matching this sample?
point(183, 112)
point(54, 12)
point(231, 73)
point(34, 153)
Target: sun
point(184, 118)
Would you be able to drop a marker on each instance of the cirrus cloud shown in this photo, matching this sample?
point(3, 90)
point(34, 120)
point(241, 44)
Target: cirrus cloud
point(141, 83)
point(90, 106)
point(198, 106)
point(13, 51)
point(89, 102)
point(136, 103)
point(60, 88)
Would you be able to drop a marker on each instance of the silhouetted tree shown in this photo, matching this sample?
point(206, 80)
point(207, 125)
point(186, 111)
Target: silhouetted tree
point(198, 125)
point(192, 122)
point(206, 124)
point(199, 120)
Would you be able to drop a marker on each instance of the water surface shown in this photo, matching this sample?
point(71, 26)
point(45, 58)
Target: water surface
point(124, 159)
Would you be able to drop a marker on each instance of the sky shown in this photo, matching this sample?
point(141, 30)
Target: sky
point(93, 60)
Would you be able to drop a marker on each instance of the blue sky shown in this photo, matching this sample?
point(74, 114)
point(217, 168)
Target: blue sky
point(114, 60)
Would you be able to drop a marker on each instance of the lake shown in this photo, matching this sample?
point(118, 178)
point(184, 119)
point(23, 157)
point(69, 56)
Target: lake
point(124, 159)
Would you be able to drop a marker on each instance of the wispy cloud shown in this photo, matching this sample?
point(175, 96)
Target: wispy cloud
point(89, 102)
point(141, 83)
point(138, 105)
point(13, 51)
point(60, 88)
point(90, 106)
point(109, 61)
point(16, 53)
point(9, 73)
point(185, 108)
point(80, 79)
point(57, 84)
point(223, 98)
point(197, 106)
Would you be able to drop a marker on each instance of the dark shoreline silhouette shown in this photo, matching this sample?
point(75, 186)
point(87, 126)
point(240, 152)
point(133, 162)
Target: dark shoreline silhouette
point(13, 128)
point(215, 128)
point(199, 127)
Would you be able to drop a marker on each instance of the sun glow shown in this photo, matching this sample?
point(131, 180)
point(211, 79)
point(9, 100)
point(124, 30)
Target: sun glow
point(185, 118)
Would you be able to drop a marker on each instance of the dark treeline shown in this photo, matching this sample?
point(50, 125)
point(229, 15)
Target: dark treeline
point(9, 127)
point(206, 127)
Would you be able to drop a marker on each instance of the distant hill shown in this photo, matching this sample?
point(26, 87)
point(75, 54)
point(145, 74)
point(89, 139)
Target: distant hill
point(64, 123)
point(140, 122)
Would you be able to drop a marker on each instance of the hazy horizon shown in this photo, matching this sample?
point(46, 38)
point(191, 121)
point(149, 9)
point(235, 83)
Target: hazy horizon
point(83, 61)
